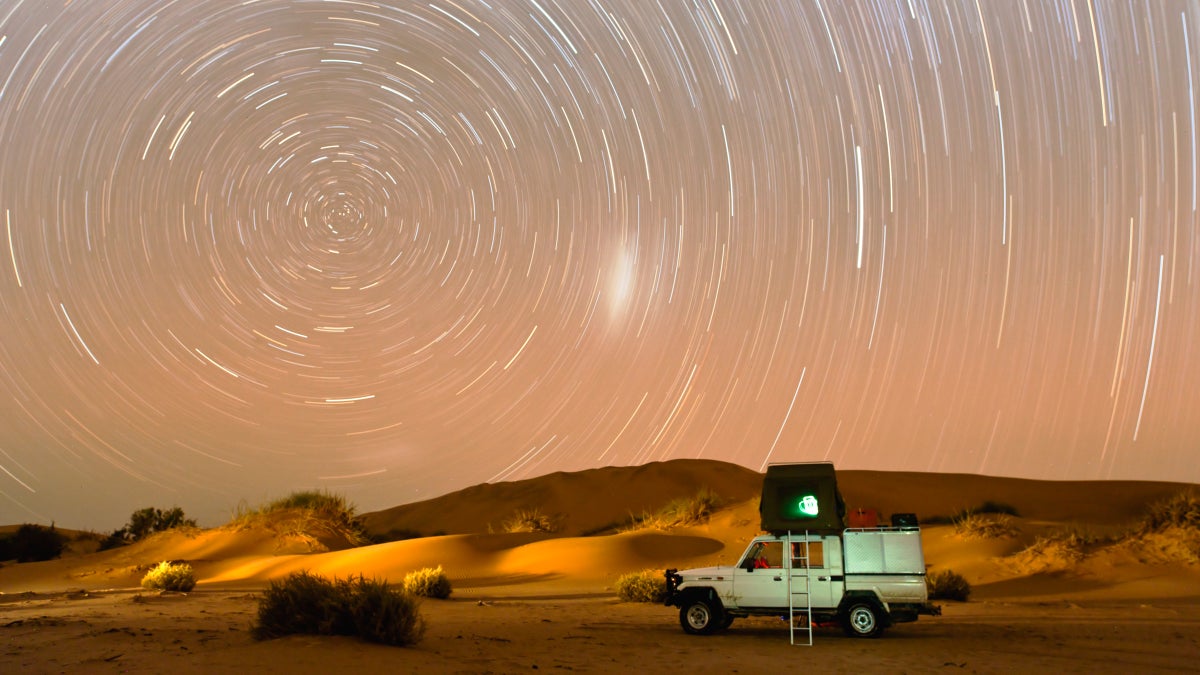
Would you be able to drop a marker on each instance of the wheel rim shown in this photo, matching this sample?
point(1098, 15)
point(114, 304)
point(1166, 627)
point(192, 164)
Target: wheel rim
point(697, 616)
point(862, 619)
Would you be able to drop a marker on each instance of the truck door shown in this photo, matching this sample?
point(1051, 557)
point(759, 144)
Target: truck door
point(817, 570)
point(759, 580)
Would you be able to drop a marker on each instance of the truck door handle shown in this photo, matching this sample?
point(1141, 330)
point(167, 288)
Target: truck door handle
point(822, 578)
point(778, 578)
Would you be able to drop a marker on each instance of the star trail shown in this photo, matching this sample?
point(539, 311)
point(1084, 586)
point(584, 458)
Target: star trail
point(392, 249)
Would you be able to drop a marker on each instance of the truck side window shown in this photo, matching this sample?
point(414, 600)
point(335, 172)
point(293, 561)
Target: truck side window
point(816, 554)
point(769, 554)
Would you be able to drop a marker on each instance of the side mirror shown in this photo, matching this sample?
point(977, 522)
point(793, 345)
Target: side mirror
point(748, 565)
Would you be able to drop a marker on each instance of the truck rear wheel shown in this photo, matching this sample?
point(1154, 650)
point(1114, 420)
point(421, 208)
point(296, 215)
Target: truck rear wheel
point(862, 620)
point(700, 616)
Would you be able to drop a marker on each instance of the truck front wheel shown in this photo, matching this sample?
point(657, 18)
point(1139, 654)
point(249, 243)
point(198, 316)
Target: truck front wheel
point(862, 620)
point(700, 616)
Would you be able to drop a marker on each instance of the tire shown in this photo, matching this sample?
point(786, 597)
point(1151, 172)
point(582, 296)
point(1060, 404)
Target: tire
point(862, 620)
point(700, 616)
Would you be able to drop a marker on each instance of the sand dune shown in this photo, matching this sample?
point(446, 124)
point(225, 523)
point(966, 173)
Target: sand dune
point(532, 580)
point(578, 503)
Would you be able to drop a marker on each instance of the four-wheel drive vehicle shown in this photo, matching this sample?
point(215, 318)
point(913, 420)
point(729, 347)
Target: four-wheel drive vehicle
point(865, 579)
point(809, 565)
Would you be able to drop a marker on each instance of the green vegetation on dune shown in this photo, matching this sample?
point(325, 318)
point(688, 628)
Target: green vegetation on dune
point(309, 513)
point(32, 543)
point(679, 512)
point(145, 522)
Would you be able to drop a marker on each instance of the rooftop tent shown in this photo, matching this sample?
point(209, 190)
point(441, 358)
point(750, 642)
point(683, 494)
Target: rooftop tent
point(799, 497)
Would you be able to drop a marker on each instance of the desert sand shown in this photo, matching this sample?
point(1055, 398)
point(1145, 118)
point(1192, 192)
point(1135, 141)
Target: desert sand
point(537, 601)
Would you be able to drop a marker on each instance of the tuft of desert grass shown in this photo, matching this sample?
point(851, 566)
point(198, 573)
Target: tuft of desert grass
point(1169, 530)
point(679, 512)
point(947, 585)
point(972, 525)
point(1057, 551)
point(311, 514)
point(304, 603)
point(429, 582)
point(644, 586)
point(170, 576)
point(529, 520)
point(1181, 510)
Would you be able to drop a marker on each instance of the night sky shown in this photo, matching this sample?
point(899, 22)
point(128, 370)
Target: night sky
point(394, 249)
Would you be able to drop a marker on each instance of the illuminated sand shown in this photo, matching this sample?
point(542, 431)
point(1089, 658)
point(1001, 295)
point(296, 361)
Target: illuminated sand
point(526, 600)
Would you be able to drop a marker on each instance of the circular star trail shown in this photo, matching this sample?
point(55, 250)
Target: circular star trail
point(393, 249)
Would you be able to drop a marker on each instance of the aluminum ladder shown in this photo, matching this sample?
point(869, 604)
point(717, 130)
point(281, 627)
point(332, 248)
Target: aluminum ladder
point(794, 610)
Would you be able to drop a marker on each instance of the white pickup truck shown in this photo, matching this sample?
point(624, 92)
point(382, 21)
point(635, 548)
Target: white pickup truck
point(866, 579)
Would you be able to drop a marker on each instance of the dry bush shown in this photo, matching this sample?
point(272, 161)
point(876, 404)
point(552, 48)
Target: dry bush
point(972, 525)
point(1169, 531)
point(170, 576)
point(308, 604)
point(1178, 511)
point(644, 586)
point(679, 512)
point(430, 582)
point(947, 585)
point(32, 543)
point(529, 520)
point(1057, 551)
point(307, 514)
point(383, 614)
point(692, 510)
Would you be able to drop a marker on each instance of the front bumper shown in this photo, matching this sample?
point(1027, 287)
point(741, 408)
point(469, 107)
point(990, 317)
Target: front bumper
point(673, 581)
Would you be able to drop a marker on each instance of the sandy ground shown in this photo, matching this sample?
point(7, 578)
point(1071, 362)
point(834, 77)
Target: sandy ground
point(525, 602)
point(481, 632)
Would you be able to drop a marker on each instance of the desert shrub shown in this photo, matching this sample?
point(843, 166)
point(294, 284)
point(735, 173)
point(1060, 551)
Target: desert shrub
point(947, 585)
point(301, 603)
point(644, 586)
point(383, 614)
point(145, 522)
point(971, 525)
point(679, 512)
point(114, 540)
point(1181, 510)
point(306, 513)
point(1058, 550)
point(430, 582)
point(32, 543)
point(170, 576)
point(308, 604)
point(529, 520)
point(689, 510)
point(321, 504)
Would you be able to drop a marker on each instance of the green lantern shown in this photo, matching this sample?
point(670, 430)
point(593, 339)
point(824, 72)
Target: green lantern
point(803, 506)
